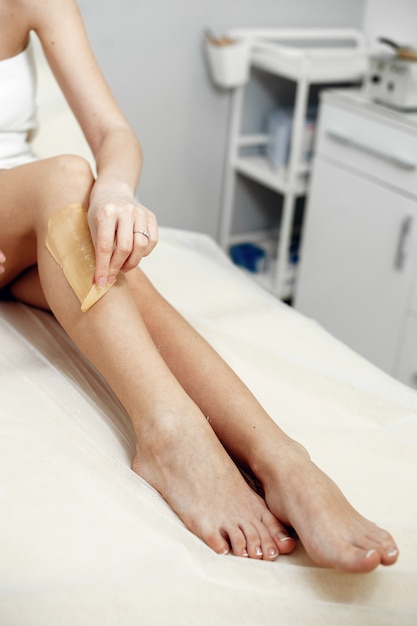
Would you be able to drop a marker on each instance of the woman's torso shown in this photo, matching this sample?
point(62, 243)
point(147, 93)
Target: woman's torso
point(17, 108)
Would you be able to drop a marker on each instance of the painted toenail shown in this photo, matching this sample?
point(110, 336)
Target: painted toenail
point(392, 552)
point(272, 553)
point(370, 553)
point(225, 551)
point(245, 553)
point(258, 551)
point(282, 537)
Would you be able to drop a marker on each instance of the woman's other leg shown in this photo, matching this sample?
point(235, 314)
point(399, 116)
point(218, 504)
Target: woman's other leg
point(297, 492)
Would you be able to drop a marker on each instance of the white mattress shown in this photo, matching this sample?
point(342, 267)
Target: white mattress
point(85, 541)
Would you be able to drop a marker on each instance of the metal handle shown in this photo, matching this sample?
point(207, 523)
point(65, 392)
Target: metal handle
point(401, 251)
point(401, 162)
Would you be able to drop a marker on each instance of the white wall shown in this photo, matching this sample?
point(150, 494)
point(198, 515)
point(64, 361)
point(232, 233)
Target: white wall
point(152, 56)
point(395, 20)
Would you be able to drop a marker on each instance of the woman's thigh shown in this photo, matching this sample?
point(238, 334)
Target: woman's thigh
point(29, 195)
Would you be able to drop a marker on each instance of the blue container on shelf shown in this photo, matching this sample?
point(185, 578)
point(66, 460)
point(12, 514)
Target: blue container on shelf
point(249, 256)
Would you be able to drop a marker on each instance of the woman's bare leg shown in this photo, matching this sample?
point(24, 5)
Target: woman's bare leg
point(27, 288)
point(178, 452)
point(333, 533)
point(296, 491)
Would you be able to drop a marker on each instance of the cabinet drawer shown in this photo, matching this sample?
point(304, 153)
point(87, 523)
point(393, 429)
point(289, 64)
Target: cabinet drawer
point(372, 146)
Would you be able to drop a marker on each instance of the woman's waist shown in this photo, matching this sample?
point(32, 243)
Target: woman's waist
point(15, 148)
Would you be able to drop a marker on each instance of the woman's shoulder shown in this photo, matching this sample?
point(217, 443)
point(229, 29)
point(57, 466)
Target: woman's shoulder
point(35, 6)
point(21, 13)
point(35, 12)
point(48, 18)
point(20, 8)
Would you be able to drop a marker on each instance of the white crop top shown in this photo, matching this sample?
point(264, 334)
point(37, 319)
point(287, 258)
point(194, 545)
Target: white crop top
point(17, 109)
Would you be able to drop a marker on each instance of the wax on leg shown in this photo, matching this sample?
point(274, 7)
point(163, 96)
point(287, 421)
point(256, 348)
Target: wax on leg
point(69, 241)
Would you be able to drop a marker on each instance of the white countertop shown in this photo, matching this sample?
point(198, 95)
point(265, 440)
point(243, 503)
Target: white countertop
point(358, 99)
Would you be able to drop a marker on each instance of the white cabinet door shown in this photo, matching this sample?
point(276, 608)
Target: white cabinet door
point(356, 261)
point(407, 366)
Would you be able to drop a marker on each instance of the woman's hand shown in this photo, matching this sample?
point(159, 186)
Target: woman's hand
point(123, 231)
point(2, 262)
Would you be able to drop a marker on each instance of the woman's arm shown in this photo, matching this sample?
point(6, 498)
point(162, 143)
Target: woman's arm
point(113, 213)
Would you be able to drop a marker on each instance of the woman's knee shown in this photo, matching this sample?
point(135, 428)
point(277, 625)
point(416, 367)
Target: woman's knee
point(67, 179)
point(74, 171)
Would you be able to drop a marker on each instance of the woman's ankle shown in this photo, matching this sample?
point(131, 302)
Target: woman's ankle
point(277, 460)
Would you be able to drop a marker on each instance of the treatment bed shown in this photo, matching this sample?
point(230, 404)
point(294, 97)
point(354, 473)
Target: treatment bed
point(85, 541)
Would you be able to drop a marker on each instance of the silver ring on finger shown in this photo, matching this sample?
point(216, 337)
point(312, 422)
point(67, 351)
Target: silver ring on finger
point(142, 232)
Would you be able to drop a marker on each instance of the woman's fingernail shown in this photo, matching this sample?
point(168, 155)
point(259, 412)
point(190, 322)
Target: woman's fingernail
point(111, 280)
point(102, 282)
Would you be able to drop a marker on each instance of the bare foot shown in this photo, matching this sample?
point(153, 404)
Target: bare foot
point(332, 532)
point(183, 459)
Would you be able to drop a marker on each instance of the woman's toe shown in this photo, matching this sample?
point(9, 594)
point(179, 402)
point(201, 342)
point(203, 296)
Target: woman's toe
point(238, 542)
point(365, 561)
point(284, 542)
point(385, 545)
point(268, 548)
point(390, 555)
point(388, 550)
point(216, 542)
point(253, 541)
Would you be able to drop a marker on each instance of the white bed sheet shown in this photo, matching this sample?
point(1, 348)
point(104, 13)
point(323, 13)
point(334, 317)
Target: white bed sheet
point(85, 541)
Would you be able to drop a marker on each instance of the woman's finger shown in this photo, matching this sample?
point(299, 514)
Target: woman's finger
point(127, 244)
point(103, 234)
point(145, 238)
point(142, 246)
